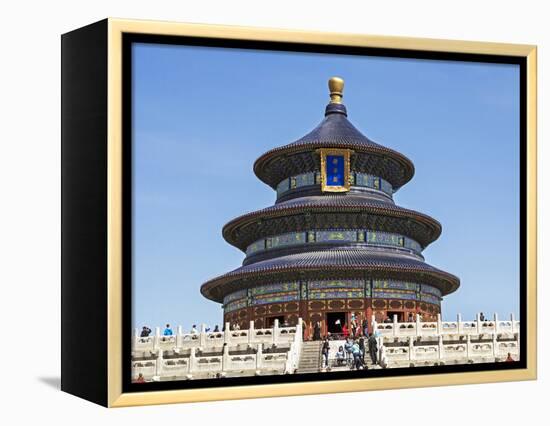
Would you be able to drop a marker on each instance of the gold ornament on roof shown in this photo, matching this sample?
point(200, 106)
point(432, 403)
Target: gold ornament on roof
point(336, 87)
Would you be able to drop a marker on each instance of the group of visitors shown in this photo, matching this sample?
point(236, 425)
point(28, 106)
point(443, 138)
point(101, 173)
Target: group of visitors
point(353, 352)
point(356, 329)
point(146, 331)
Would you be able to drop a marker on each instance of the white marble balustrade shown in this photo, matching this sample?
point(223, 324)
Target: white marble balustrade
point(421, 328)
point(185, 356)
point(444, 342)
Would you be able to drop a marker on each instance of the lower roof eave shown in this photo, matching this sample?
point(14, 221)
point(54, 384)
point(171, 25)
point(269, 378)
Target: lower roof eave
point(217, 288)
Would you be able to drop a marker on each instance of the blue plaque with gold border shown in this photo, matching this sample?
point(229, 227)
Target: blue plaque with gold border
point(335, 170)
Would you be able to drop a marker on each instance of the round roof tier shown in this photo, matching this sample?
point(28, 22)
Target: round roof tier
point(331, 264)
point(330, 211)
point(335, 131)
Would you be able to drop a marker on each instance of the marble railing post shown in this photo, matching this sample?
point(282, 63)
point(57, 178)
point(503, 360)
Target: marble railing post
point(188, 366)
point(478, 323)
point(179, 336)
point(418, 324)
point(251, 332)
point(227, 333)
point(495, 345)
point(395, 328)
point(381, 351)
point(259, 356)
point(202, 336)
point(298, 338)
point(518, 337)
point(276, 331)
point(289, 365)
point(160, 363)
point(225, 357)
point(496, 323)
point(513, 321)
point(441, 350)
point(374, 325)
point(411, 349)
point(439, 325)
point(135, 337)
point(459, 325)
point(468, 345)
point(157, 337)
point(192, 360)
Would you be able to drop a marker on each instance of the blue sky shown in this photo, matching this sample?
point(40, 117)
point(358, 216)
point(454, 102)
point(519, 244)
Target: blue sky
point(202, 116)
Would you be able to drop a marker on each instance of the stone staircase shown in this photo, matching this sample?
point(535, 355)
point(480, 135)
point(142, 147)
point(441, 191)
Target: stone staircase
point(310, 357)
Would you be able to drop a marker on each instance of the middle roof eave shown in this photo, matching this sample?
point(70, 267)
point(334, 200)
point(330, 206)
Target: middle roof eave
point(337, 203)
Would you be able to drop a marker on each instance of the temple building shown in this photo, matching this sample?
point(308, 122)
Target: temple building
point(334, 245)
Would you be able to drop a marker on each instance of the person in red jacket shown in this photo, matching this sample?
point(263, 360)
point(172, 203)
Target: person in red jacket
point(345, 331)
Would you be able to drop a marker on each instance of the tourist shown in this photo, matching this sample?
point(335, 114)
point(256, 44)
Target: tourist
point(373, 349)
point(411, 317)
point(325, 351)
point(365, 327)
point(140, 378)
point(340, 356)
point(317, 331)
point(353, 326)
point(168, 331)
point(307, 330)
point(145, 331)
point(345, 331)
point(481, 316)
point(387, 320)
point(216, 329)
point(509, 358)
point(347, 346)
point(194, 329)
point(285, 323)
point(356, 352)
point(236, 326)
point(362, 348)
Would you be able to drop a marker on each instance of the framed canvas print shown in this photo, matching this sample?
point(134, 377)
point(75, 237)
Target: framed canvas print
point(254, 212)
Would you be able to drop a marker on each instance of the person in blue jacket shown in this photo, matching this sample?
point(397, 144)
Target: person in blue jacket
point(348, 348)
point(168, 331)
point(356, 351)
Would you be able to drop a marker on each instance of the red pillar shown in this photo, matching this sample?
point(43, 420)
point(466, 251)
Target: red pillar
point(368, 313)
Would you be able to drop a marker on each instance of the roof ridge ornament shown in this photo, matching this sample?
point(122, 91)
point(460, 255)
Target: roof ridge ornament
point(336, 87)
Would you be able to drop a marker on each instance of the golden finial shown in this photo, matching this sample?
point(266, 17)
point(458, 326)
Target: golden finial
point(336, 87)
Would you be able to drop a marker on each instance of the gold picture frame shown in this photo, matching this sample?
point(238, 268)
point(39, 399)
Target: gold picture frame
point(116, 29)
